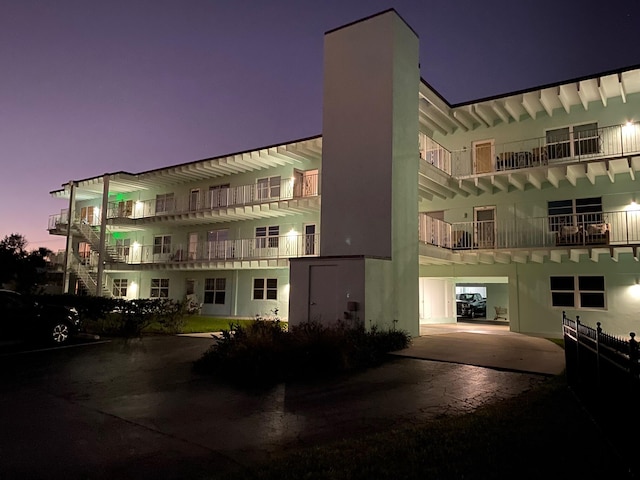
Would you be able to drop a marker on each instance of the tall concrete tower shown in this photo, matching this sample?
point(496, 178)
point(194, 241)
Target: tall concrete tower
point(368, 265)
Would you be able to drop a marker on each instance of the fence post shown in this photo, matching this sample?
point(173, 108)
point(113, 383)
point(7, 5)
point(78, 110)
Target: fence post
point(598, 334)
point(578, 369)
point(633, 361)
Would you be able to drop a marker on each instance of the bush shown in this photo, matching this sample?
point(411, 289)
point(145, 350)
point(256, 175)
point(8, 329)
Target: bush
point(120, 317)
point(264, 352)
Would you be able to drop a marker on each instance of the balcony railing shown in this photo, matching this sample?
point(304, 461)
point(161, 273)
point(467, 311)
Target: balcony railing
point(573, 230)
point(259, 248)
point(605, 142)
point(434, 153)
point(285, 189)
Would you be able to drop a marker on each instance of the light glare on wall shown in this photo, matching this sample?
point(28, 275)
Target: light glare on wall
point(628, 128)
point(133, 288)
point(633, 206)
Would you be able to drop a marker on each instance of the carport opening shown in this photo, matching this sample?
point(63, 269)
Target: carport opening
point(440, 300)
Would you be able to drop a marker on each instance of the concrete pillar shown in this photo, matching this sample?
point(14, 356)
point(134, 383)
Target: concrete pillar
point(68, 251)
point(102, 258)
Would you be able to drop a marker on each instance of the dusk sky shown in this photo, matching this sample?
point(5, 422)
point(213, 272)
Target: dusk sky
point(89, 87)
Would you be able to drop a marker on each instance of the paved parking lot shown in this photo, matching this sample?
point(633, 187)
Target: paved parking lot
point(134, 409)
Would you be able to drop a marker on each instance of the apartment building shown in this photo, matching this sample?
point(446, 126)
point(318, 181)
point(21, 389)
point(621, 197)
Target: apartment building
point(217, 231)
point(528, 197)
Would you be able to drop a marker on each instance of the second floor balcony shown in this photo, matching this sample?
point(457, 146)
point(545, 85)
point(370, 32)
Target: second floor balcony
point(210, 253)
point(580, 232)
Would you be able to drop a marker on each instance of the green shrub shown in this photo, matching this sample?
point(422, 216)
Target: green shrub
point(121, 317)
point(265, 352)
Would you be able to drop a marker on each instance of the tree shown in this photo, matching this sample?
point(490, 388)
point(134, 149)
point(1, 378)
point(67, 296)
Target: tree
point(20, 269)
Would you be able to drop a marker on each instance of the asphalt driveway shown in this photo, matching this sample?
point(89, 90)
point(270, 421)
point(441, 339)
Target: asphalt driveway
point(134, 409)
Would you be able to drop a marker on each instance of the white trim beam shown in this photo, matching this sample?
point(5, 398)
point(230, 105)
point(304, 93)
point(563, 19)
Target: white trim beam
point(603, 94)
point(623, 92)
point(500, 182)
point(528, 102)
point(543, 98)
point(500, 111)
point(562, 96)
point(516, 181)
point(535, 179)
point(459, 116)
point(583, 97)
point(509, 107)
point(574, 172)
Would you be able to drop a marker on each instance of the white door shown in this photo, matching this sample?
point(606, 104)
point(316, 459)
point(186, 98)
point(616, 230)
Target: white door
point(193, 246)
point(194, 199)
point(323, 294)
point(483, 156)
point(484, 227)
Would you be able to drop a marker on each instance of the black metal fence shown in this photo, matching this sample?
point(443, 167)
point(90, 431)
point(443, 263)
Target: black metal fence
point(600, 363)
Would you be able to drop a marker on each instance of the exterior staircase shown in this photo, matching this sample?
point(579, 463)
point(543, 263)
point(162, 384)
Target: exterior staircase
point(89, 279)
point(93, 239)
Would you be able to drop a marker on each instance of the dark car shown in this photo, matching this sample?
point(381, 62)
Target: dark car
point(24, 319)
point(471, 305)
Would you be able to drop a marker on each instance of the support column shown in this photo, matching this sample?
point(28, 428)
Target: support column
point(68, 251)
point(103, 230)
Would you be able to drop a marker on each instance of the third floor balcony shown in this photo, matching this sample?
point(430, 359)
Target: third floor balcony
point(569, 153)
point(223, 199)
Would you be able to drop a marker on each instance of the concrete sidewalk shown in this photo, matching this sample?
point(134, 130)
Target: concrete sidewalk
point(486, 345)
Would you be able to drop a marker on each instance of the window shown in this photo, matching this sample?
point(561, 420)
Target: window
point(162, 244)
point(268, 237)
point(214, 290)
point(159, 287)
point(573, 141)
point(578, 291)
point(120, 287)
point(164, 203)
point(268, 188)
point(575, 213)
point(265, 288)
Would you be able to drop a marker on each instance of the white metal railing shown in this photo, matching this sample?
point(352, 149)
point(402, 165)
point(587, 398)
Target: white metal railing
point(572, 230)
point(58, 219)
point(285, 246)
point(434, 153)
point(604, 142)
point(285, 189)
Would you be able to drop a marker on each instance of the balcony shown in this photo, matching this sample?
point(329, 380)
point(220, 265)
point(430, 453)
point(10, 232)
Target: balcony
point(216, 200)
point(208, 254)
point(606, 142)
point(616, 230)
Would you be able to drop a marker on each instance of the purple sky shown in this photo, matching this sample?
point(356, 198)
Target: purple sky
point(89, 87)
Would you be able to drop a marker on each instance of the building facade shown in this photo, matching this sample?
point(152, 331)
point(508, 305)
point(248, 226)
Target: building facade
point(403, 201)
